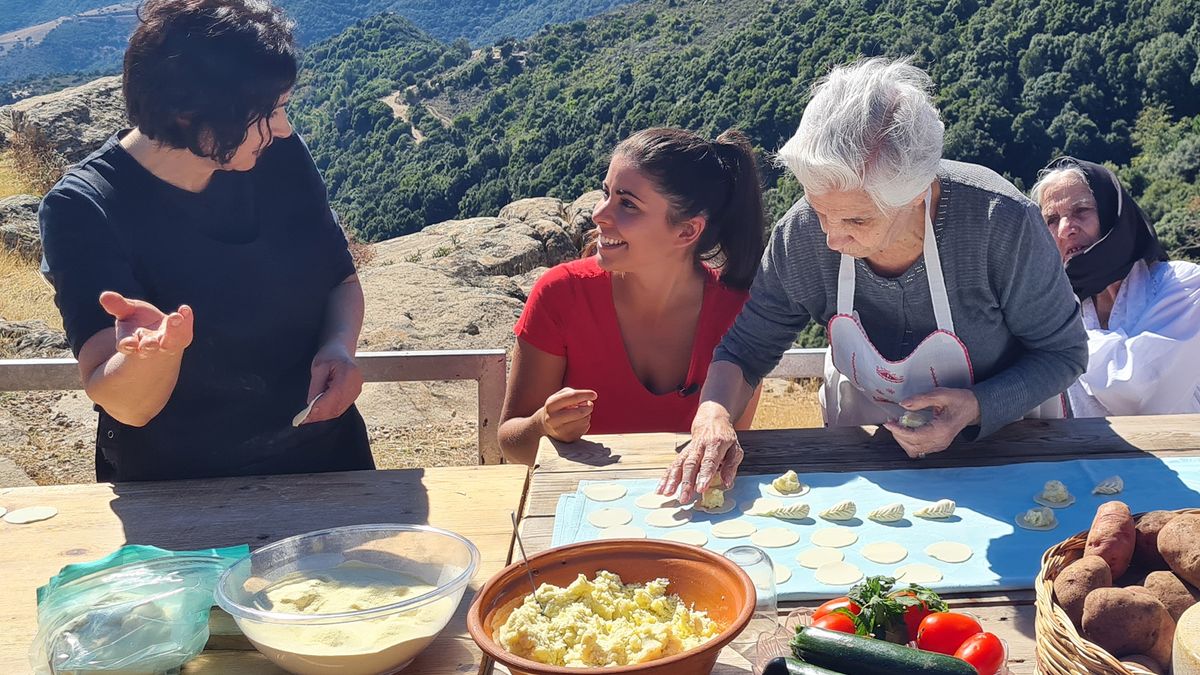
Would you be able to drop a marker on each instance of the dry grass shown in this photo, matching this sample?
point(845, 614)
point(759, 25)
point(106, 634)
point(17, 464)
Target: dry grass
point(789, 404)
point(11, 181)
point(26, 295)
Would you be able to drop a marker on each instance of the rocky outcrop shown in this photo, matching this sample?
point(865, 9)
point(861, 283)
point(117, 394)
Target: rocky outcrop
point(19, 226)
point(461, 284)
point(33, 339)
point(75, 121)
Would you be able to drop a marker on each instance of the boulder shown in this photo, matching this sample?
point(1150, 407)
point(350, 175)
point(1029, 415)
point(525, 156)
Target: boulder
point(579, 216)
point(75, 121)
point(19, 226)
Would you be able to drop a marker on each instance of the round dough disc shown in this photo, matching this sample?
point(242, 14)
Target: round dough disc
point(885, 552)
point(604, 492)
point(652, 500)
point(838, 574)
point(693, 537)
point(603, 518)
point(949, 551)
point(733, 529)
point(782, 574)
point(30, 515)
point(725, 507)
point(834, 537)
point(668, 517)
point(774, 537)
point(813, 558)
point(918, 573)
point(761, 505)
point(770, 489)
point(622, 532)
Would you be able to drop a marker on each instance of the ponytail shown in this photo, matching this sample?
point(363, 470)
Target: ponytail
point(718, 179)
point(735, 231)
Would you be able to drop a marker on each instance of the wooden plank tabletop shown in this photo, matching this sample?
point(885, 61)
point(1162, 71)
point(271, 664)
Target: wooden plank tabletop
point(96, 519)
point(560, 467)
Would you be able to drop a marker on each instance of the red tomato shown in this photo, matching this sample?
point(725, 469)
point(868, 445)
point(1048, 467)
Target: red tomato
point(984, 651)
point(913, 616)
point(835, 621)
point(836, 603)
point(943, 632)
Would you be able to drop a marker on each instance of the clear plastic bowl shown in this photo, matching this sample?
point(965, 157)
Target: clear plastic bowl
point(375, 639)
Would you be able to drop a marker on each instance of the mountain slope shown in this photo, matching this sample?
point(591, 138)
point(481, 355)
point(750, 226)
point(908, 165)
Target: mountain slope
point(1018, 81)
point(55, 37)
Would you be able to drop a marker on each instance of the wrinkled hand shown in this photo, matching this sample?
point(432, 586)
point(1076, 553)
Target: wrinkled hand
point(953, 410)
point(711, 457)
point(335, 374)
point(567, 414)
point(145, 331)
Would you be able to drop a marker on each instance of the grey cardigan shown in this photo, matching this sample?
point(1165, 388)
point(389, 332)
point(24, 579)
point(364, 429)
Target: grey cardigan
point(1011, 302)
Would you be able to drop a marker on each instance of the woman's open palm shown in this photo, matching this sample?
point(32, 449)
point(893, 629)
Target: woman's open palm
point(143, 330)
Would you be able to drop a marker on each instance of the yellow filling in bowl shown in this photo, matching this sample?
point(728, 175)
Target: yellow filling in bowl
point(603, 622)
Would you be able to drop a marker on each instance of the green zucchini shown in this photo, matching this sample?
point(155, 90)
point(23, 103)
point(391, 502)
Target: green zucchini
point(868, 656)
point(786, 665)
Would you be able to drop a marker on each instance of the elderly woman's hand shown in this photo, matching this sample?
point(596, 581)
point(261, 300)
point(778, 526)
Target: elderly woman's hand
point(336, 376)
point(953, 410)
point(711, 458)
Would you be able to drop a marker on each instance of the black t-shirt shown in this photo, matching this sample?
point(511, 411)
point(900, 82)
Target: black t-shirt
point(256, 255)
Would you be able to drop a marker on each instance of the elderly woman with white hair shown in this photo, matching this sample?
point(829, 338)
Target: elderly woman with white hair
point(1141, 310)
point(939, 285)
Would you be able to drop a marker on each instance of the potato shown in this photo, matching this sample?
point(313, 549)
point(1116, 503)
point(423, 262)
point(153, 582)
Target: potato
point(1075, 581)
point(1122, 620)
point(1170, 590)
point(1139, 663)
point(1145, 545)
point(1161, 651)
point(1179, 544)
point(1111, 536)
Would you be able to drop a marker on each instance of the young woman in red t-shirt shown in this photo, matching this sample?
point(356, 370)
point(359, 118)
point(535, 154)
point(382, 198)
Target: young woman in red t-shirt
point(620, 341)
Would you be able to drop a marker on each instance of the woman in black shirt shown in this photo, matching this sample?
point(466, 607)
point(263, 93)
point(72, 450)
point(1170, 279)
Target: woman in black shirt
point(204, 284)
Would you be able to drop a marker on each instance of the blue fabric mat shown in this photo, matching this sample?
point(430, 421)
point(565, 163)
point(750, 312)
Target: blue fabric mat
point(1006, 557)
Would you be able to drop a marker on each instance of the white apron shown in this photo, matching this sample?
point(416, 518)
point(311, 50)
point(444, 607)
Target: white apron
point(863, 387)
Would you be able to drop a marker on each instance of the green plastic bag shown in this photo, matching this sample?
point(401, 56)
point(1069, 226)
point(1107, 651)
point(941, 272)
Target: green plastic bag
point(141, 609)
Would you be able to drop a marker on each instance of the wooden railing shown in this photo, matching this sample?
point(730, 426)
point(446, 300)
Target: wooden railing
point(487, 367)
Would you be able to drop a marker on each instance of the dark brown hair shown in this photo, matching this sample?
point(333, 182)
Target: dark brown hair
point(717, 179)
point(200, 73)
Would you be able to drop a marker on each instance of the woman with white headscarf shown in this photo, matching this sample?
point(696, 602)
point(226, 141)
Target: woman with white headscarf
point(939, 285)
point(1141, 311)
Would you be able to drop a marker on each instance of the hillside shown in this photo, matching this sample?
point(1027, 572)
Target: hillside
point(1019, 81)
point(49, 38)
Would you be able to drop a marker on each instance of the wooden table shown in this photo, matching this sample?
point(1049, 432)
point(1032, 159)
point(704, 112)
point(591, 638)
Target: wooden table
point(96, 519)
point(1010, 615)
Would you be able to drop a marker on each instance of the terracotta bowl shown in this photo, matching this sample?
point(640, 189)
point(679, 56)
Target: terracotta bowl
point(703, 579)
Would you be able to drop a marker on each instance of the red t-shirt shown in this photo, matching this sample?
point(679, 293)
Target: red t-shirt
point(570, 313)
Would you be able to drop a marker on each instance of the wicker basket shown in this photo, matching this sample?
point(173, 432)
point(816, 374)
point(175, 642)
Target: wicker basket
point(1060, 648)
